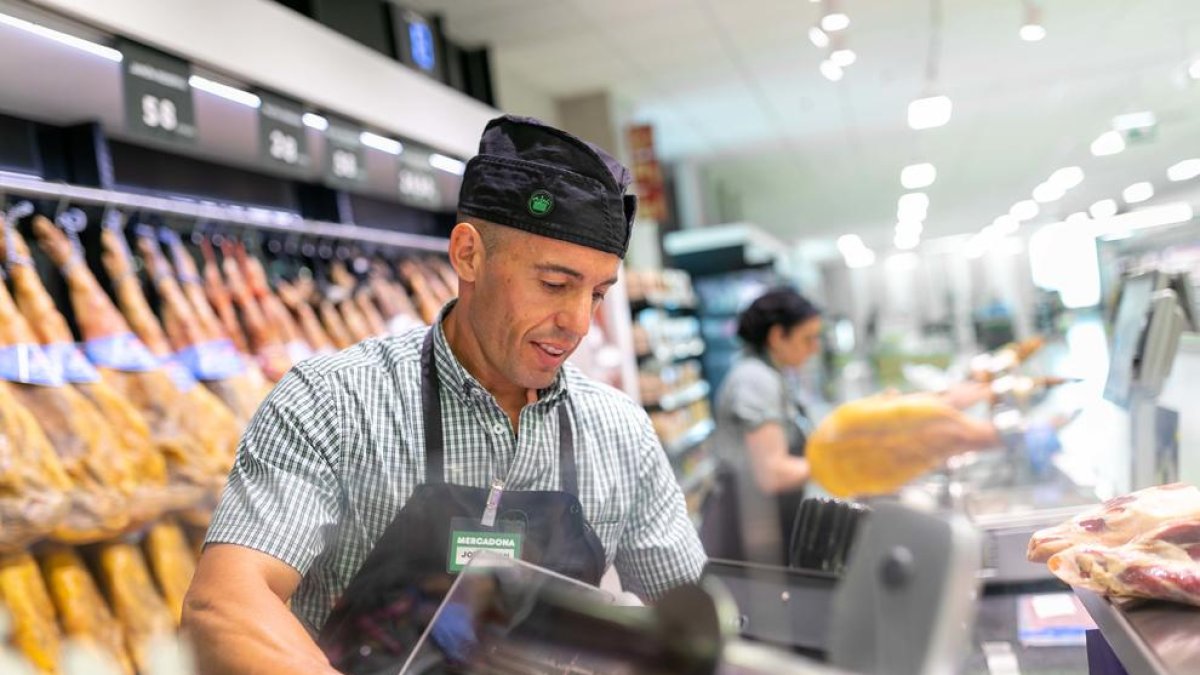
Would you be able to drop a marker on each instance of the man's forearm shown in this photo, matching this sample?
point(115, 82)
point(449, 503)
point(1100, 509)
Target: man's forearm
point(247, 632)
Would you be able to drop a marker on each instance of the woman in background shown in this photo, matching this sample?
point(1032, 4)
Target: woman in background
point(760, 434)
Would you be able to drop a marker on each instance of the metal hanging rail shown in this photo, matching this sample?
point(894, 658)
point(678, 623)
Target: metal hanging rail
point(248, 216)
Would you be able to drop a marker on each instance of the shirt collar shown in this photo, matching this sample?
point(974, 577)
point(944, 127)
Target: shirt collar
point(455, 377)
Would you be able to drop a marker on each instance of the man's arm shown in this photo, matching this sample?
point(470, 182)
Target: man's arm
point(235, 612)
point(659, 548)
point(279, 508)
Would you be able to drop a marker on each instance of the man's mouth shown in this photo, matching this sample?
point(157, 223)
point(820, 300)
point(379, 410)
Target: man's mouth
point(553, 350)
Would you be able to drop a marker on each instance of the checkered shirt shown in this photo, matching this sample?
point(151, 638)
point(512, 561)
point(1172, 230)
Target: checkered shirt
point(338, 446)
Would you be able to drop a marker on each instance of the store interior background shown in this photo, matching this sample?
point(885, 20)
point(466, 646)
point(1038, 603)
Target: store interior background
point(1070, 156)
point(765, 145)
point(752, 130)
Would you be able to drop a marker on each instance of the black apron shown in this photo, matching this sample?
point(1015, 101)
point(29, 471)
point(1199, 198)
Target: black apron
point(723, 525)
point(393, 596)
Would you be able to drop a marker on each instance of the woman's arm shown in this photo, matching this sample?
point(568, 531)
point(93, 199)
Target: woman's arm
point(774, 469)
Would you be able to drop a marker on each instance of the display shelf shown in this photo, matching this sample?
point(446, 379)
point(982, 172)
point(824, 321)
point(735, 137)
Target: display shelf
point(1150, 638)
point(691, 438)
point(668, 305)
point(678, 353)
point(683, 397)
point(698, 478)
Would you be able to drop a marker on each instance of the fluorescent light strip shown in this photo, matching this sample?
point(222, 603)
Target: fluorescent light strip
point(388, 145)
point(835, 22)
point(930, 112)
point(1138, 192)
point(1032, 32)
point(1157, 216)
point(832, 71)
point(315, 121)
point(103, 51)
point(1108, 143)
point(917, 176)
point(225, 91)
point(447, 164)
point(1185, 170)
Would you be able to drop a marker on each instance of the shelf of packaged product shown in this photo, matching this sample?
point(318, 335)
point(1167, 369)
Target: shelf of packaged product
point(676, 353)
point(690, 439)
point(699, 477)
point(680, 398)
point(669, 305)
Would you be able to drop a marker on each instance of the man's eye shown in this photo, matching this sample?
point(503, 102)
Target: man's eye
point(597, 297)
point(553, 286)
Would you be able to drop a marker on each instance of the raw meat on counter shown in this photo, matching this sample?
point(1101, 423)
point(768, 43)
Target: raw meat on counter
point(1163, 563)
point(1145, 544)
point(877, 444)
point(1119, 520)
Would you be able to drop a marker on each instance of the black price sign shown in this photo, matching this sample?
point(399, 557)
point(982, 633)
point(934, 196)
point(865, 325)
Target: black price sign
point(158, 98)
point(417, 183)
point(281, 136)
point(344, 161)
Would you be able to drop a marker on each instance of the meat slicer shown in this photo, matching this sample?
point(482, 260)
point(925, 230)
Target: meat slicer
point(904, 607)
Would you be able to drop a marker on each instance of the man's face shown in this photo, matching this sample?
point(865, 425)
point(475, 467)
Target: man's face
point(532, 303)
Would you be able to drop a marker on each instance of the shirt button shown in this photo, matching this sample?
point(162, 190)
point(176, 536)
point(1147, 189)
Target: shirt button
point(497, 428)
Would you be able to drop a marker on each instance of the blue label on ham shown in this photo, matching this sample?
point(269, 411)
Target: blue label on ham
point(28, 364)
point(71, 362)
point(179, 373)
point(122, 351)
point(214, 360)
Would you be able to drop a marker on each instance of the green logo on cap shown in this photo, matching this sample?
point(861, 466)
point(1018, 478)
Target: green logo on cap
point(541, 203)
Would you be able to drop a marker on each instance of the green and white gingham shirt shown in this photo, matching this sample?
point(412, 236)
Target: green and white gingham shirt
point(336, 449)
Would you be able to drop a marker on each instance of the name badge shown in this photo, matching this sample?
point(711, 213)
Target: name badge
point(468, 538)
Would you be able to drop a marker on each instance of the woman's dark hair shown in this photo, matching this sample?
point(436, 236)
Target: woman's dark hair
point(777, 307)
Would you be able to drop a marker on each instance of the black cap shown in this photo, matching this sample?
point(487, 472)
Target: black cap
point(543, 180)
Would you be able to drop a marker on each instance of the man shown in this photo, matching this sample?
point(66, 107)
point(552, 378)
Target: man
point(349, 472)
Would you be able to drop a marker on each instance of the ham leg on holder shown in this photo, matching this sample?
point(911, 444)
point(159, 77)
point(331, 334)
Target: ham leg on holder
point(102, 478)
point(150, 493)
point(193, 435)
point(237, 389)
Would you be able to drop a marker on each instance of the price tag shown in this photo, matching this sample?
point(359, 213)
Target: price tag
point(158, 98)
point(344, 160)
point(417, 182)
point(281, 135)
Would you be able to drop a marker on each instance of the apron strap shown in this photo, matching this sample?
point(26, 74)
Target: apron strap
point(431, 410)
point(566, 452)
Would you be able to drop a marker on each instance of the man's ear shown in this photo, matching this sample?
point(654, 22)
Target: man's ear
point(466, 251)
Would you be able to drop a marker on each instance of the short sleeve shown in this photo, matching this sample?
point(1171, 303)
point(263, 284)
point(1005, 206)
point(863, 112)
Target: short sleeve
point(755, 396)
point(282, 497)
point(660, 548)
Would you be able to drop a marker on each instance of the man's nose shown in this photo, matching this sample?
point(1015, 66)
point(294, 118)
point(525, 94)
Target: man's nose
point(576, 316)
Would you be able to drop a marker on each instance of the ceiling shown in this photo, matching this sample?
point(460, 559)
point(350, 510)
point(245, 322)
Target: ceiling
point(734, 88)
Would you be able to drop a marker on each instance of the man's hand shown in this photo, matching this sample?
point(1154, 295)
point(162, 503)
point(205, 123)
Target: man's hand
point(235, 615)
